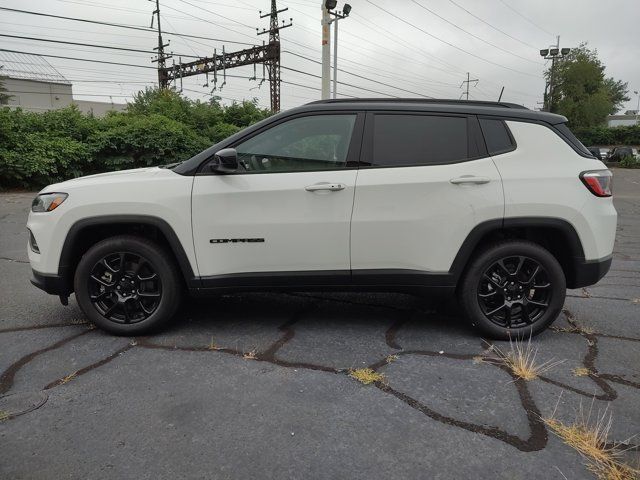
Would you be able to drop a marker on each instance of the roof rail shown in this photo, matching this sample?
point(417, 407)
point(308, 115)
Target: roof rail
point(422, 100)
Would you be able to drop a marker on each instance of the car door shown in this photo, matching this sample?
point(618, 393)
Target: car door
point(287, 211)
point(425, 182)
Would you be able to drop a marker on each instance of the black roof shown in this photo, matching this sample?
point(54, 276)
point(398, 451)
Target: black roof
point(474, 107)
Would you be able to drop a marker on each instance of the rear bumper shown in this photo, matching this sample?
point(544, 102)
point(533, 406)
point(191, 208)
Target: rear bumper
point(52, 284)
point(589, 272)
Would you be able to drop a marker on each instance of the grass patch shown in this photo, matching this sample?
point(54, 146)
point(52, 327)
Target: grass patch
point(4, 415)
point(590, 438)
point(521, 360)
point(391, 358)
point(580, 372)
point(366, 376)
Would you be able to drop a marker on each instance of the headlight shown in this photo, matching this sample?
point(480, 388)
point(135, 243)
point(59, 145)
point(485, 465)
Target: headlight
point(47, 202)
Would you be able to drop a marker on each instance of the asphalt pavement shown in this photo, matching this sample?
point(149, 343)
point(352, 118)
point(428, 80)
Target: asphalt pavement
point(258, 385)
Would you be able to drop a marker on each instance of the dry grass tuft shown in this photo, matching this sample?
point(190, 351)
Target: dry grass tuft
point(636, 301)
point(366, 376)
point(212, 345)
point(4, 415)
point(590, 438)
point(580, 372)
point(251, 355)
point(521, 360)
point(478, 359)
point(391, 358)
point(68, 378)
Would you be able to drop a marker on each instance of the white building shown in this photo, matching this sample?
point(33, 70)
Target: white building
point(622, 120)
point(36, 86)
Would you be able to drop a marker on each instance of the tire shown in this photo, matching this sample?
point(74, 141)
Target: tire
point(508, 282)
point(127, 285)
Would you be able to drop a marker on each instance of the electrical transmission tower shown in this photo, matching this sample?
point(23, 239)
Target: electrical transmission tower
point(268, 54)
point(161, 58)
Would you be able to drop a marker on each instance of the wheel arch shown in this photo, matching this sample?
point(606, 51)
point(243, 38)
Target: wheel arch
point(555, 234)
point(88, 231)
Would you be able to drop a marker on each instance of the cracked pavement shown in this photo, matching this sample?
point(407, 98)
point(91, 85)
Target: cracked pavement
point(257, 385)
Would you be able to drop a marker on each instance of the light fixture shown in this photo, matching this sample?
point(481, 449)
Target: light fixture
point(554, 51)
point(346, 10)
point(544, 53)
point(565, 51)
point(330, 4)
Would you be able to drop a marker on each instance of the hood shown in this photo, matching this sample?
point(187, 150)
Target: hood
point(108, 177)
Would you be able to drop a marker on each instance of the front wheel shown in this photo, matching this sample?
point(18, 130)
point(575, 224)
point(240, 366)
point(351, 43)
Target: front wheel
point(127, 285)
point(514, 289)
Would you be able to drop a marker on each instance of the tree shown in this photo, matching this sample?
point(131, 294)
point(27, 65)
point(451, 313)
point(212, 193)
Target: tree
point(581, 91)
point(4, 97)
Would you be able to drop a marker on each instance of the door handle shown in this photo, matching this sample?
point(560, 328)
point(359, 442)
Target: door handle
point(331, 187)
point(470, 179)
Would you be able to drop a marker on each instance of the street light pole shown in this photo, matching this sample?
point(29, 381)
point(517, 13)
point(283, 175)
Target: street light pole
point(552, 53)
point(335, 57)
point(637, 107)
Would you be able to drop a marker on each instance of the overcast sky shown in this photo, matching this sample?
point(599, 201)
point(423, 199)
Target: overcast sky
point(423, 47)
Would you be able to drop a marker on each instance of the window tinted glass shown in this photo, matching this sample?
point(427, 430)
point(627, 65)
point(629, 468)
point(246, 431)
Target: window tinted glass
point(496, 136)
point(418, 140)
point(316, 142)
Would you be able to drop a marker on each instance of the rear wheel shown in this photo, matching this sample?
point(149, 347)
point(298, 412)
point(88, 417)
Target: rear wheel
point(127, 285)
point(512, 290)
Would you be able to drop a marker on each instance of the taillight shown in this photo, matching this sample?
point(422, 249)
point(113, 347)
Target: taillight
point(599, 182)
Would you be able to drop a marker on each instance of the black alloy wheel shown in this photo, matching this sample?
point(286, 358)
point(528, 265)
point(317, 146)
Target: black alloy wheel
point(514, 292)
point(124, 287)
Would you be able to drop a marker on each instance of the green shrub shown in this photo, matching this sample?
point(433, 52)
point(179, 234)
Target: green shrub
point(629, 161)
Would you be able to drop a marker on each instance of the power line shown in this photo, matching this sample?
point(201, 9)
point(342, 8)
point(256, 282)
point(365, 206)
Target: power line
point(125, 49)
point(78, 59)
point(449, 43)
point(119, 25)
point(342, 83)
point(526, 18)
point(493, 26)
point(359, 76)
point(474, 35)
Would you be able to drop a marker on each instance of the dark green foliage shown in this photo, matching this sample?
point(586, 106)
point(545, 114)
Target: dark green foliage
point(583, 94)
point(628, 161)
point(629, 135)
point(158, 127)
point(4, 97)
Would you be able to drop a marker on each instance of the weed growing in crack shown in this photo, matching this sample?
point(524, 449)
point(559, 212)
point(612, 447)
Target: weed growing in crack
point(68, 378)
point(391, 358)
point(250, 355)
point(366, 376)
point(521, 360)
point(580, 372)
point(4, 415)
point(590, 437)
point(212, 345)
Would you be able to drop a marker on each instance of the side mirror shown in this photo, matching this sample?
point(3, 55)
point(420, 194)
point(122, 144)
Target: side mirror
point(225, 161)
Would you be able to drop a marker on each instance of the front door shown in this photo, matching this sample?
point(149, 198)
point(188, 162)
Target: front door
point(288, 210)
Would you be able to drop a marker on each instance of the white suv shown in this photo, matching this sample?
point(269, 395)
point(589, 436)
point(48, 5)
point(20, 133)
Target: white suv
point(496, 203)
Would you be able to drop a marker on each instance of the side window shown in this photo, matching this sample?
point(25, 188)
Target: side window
point(316, 142)
point(496, 136)
point(404, 140)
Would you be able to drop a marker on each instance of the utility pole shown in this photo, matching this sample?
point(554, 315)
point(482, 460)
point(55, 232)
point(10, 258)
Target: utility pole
point(336, 17)
point(468, 81)
point(267, 54)
point(553, 53)
point(326, 47)
point(161, 57)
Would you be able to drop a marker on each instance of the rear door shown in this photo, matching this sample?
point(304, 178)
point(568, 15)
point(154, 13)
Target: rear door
point(288, 210)
point(424, 183)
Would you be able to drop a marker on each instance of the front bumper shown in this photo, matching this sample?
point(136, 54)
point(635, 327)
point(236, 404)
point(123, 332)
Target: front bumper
point(52, 284)
point(588, 272)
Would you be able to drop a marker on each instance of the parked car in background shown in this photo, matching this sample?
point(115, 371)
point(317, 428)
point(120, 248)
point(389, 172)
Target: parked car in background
point(619, 153)
point(597, 152)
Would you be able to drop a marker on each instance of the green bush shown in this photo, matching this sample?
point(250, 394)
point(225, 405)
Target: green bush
point(629, 161)
point(158, 127)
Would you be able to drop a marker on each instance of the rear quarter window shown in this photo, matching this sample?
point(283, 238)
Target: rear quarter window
point(497, 136)
point(572, 140)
